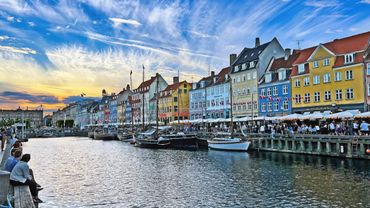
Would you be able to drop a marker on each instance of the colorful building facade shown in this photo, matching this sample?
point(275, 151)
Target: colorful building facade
point(274, 88)
point(247, 69)
point(331, 76)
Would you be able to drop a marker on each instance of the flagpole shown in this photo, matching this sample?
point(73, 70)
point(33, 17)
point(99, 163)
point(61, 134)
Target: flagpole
point(143, 105)
point(130, 101)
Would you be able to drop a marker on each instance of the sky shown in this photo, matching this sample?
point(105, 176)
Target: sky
point(53, 51)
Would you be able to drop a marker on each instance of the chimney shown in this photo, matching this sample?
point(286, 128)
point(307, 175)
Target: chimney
point(175, 80)
point(232, 58)
point(257, 42)
point(287, 53)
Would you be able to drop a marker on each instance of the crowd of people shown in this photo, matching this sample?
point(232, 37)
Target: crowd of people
point(17, 165)
point(291, 127)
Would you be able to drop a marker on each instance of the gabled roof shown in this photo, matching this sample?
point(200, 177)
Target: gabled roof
point(221, 75)
point(303, 55)
point(250, 54)
point(171, 87)
point(145, 84)
point(339, 61)
point(349, 44)
point(282, 63)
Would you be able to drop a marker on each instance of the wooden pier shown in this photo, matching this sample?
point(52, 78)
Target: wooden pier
point(313, 144)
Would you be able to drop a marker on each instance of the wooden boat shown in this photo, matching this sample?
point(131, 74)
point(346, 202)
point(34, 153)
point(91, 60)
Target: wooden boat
point(230, 144)
point(104, 134)
point(125, 136)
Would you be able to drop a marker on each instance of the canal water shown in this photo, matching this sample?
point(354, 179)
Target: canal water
point(80, 172)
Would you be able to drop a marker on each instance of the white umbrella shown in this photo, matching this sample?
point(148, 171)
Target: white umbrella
point(316, 115)
point(363, 115)
point(291, 117)
point(272, 118)
point(340, 115)
point(259, 118)
point(247, 118)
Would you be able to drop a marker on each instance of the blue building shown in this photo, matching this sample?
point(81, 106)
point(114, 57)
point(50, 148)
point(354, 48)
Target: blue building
point(113, 109)
point(274, 89)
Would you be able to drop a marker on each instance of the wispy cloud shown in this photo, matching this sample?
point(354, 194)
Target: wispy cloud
point(119, 21)
point(24, 96)
point(17, 50)
point(321, 3)
point(365, 1)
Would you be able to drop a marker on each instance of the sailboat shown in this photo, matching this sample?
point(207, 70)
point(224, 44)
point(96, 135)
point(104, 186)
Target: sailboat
point(225, 142)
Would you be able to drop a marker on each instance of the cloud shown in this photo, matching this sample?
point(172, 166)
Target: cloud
point(10, 19)
point(75, 99)
point(24, 96)
point(203, 35)
point(31, 24)
point(365, 1)
point(321, 3)
point(3, 38)
point(118, 21)
point(17, 50)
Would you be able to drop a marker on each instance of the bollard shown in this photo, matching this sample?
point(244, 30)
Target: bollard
point(4, 186)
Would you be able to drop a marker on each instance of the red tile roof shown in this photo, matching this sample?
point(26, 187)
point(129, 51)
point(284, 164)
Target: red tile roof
point(339, 61)
point(221, 75)
point(282, 63)
point(349, 44)
point(303, 55)
point(145, 84)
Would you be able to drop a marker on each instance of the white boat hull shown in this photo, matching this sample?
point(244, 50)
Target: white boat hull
point(229, 146)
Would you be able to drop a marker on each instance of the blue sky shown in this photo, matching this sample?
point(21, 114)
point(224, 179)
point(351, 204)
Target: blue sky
point(54, 50)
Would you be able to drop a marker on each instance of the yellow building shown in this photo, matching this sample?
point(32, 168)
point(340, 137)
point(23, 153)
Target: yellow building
point(330, 76)
point(174, 102)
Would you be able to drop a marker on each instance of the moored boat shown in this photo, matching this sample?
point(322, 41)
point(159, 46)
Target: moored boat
point(229, 144)
point(104, 134)
point(125, 136)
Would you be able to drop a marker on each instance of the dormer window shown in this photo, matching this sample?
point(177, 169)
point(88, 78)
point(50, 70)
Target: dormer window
point(282, 75)
point(244, 66)
point(300, 68)
point(268, 77)
point(251, 64)
point(236, 68)
point(348, 58)
point(326, 62)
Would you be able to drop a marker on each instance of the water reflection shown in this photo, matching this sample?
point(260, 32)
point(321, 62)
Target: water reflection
point(79, 172)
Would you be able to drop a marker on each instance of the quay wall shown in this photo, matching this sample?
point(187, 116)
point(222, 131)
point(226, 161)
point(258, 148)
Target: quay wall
point(313, 144)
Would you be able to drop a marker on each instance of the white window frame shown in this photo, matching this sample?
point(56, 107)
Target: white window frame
point(307, 97)
point(249, 76)
point(316, 79)
point(263, 92)
point(338, 94)
point(348, 58)
point(254, 75)
point(297, 83)
point(317, 97)
point(251, 64)
point(350, 94)
point(282, 75)
point(276, 106)
point(285, 89)
point(298, 98)
point(263, 107)
point(338, 76)
point(349, 75)
point(236, 68)
point(315, 64)
point(269, 106)
point(306, 81)
point(301, 68)
point(268, 92)
point(327, 95)
point(326, 77)
point(244, 66)
point(326, 62)
point(285, 105)
point(274, 91)
point(368, 68)
point(368, 89)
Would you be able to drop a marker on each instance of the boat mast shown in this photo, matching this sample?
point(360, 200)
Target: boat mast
point(143, 121)
point(157, 102)
point(179, 96)
point(231, 105)
point(130, 101)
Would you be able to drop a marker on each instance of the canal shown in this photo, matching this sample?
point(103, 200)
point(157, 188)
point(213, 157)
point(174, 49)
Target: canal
point(80, 172)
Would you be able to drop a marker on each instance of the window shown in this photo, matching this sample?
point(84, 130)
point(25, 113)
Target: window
point(306, 81)
point(268, 91)
point(315, 64)
point(317, 96)
point(254, 75)
point(368, 90)
point(338, 94)
point(298, 98)
point(263, 107)
point(249, 106)
point(282, 75)
point(249, 76)
point(349, 75)
point(251, 64)
point(297, 83)
point(248, 91)
point(285, 105)
point(268, 78)
point(316, 79)
point(175, 99)
point(300, 68)
point(326, 77)
point(326, 62)
point(368, 69)
point(349, 94)
point(269, 106)
point(244, 66)
point(255, 105)
point(276, 106)
point(307, 97)
point(338, 76)
point(236, 68)
point(327, 95)
point(275, 91)
point(285, 89)
point(263, 92)
point(244, 78)
point(348, 58)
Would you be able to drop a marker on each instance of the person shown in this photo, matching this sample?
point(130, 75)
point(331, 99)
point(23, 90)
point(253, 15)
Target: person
point(13, 159)
point(262, 129)
point(21, 175)
point(364, 128)
point(332, 128)
point(355, 128)
point(2, 138)
point(12, 140)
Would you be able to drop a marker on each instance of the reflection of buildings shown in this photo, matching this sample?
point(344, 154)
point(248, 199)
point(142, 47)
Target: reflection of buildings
point(35, 117)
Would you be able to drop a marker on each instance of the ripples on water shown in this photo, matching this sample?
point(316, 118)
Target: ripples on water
point(80, 172)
